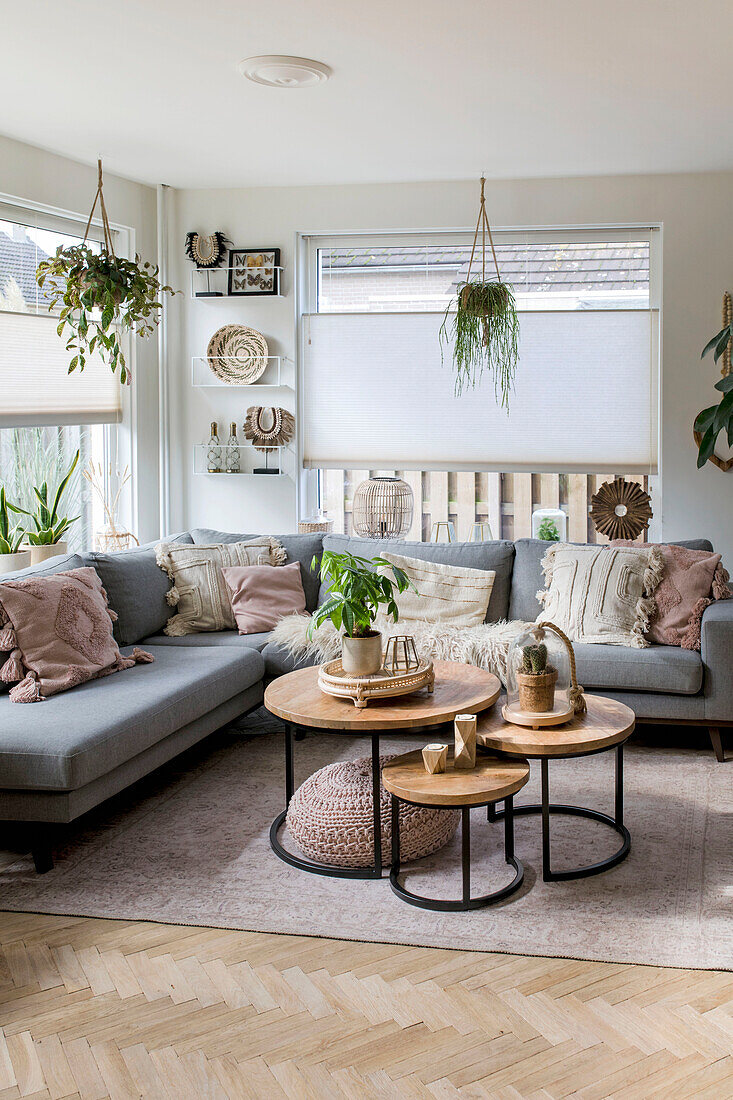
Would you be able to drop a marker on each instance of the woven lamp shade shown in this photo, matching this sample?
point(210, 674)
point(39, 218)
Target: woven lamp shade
point(382, 508)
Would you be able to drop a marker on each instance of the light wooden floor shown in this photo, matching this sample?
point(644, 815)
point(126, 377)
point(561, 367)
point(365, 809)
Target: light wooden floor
point(99, 1008)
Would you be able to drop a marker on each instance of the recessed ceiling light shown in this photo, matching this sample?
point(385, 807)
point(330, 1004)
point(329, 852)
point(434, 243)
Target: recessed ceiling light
point(279, 71)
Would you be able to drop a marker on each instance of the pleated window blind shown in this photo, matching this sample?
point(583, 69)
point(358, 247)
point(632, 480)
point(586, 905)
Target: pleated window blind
point(377, 395)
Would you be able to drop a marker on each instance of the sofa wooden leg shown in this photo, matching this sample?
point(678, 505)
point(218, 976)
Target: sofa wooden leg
point(716, 743)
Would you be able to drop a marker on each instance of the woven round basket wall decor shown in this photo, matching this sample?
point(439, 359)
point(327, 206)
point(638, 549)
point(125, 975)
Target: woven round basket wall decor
point(330, 818)
point(237, 354)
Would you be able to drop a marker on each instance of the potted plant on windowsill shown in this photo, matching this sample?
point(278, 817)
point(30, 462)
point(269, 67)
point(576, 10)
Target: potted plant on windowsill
point(536, 680)
point(356, 594)
point(45, 541)
point(11, 556)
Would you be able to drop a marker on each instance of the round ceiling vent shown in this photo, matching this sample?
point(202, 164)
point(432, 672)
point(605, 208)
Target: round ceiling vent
point(278, 71)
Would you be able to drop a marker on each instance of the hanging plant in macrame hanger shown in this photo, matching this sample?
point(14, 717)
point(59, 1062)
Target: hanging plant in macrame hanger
point(482, 324)
point(102, 295)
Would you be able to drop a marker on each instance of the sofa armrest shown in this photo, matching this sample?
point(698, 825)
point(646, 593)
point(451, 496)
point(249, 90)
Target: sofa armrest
point(716, 633)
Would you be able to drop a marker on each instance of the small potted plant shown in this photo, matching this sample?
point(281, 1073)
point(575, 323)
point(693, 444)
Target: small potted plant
point(355, 595)
point(536, 680)
point(11, 556)
point(45, 541)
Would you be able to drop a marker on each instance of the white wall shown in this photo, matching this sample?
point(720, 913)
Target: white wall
point(29, 173)
point(697, 268)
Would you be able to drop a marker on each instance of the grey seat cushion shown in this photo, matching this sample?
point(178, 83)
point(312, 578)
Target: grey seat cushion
point(278, 661)
point(302, 548)
point(228, 638)
point(72, 738)
point(136, 588)
point(660, 668)
point(527, 579)
point(497, 555)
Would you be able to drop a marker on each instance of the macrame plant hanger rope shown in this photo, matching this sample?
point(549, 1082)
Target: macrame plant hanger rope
point(99, 197)
point(483, 225)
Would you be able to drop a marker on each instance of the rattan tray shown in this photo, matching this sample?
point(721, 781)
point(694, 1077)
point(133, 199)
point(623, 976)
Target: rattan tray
point(381, 685)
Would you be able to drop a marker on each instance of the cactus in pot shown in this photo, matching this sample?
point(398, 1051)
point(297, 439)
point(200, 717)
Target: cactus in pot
point(536, 680)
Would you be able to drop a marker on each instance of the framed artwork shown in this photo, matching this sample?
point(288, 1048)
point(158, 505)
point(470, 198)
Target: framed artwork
point(254, 271)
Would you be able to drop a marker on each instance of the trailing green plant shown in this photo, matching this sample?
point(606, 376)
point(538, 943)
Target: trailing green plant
point(10, 537)
point(102, 296)
point(548, 531)
point(534, 659)
point(483, 327)
point(49, 526)
point(716, 418)
point(356, 592)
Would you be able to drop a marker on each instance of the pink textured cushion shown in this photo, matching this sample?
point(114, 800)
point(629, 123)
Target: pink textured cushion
point(262, 595)
point(692, 580)
point(56, 632)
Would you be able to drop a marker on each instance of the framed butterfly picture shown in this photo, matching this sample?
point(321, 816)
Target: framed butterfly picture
point(254, 271)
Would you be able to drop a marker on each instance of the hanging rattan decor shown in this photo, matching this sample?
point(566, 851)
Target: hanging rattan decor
point(382, 508)
point(482, 324)
point(621, 509)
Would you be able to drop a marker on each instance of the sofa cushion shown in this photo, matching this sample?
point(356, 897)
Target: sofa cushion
point(527, 579)
point(59, 564)
point(659, 668)
point(136, 588)
point(213, 638)
point(279, 660)
point(497, 555)
point(73, 738)
point(302, 548)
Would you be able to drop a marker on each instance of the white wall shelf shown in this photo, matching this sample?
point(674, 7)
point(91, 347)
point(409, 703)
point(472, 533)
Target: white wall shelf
point(212, 284)
point(278, 368)
point(278, 458)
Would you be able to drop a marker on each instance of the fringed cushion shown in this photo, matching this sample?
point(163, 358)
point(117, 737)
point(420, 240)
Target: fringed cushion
point(693, 579)
point(330, 818)
point(601, 594)
point(57, 633)
point(199, 593)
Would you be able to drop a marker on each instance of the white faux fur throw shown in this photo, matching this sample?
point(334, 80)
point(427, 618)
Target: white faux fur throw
point(486, 646)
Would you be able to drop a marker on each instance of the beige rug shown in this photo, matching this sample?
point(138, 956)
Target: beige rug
point(190, 846)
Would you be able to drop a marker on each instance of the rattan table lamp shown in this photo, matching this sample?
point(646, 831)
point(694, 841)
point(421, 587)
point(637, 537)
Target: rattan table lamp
point(382, 508)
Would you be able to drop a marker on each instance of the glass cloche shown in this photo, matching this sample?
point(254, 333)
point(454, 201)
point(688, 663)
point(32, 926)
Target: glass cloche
point(538, 679)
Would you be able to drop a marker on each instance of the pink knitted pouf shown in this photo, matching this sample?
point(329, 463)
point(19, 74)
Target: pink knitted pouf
point(330, 818)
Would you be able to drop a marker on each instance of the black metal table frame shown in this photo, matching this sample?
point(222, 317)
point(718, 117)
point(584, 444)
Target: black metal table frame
point(312, 866)
point(546, 809)
point(451, 905)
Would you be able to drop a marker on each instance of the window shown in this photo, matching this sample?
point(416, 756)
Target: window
point(46, 414)
point(378, 397)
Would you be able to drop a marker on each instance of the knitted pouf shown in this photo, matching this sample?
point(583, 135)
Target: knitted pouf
point(330, 818)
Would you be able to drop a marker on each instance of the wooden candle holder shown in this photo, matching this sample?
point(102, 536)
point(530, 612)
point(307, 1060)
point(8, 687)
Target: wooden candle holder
point(434, 758)
point(465, 734)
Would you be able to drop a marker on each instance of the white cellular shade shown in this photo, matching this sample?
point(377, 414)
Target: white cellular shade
point(376, 396)
point(35, 387)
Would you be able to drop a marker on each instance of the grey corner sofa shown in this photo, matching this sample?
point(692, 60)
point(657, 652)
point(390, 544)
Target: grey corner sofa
point(64, 756)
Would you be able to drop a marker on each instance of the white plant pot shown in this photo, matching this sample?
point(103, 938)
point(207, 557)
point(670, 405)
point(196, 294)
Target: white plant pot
point(361, 656)
point(11, 563)
point(40, 553)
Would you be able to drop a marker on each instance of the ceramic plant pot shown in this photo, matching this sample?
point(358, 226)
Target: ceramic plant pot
point(537, 691)
point(40, 553)
point(362, 656)
point(11, 563)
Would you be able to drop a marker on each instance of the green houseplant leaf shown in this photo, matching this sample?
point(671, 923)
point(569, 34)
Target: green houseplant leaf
point(716, 418)
point(356, 592)
point(49, 526)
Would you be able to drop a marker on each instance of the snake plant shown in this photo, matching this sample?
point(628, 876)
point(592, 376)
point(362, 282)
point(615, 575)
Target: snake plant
point(10, 537)
point(49, 526)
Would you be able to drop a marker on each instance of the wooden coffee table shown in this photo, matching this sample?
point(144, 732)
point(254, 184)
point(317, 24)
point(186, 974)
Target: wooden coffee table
point(607, 725)
point(297, 699)
point(492, 780)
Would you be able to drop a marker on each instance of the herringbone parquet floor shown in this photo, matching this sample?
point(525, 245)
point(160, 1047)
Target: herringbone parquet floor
point(98, 1008)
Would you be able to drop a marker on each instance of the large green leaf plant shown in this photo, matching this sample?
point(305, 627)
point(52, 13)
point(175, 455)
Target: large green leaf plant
point(716, 418)
point(357, 592)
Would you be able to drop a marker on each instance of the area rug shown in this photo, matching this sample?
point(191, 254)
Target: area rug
point(190, 845)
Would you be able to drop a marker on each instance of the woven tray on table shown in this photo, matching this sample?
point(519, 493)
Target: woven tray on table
point(380, 685)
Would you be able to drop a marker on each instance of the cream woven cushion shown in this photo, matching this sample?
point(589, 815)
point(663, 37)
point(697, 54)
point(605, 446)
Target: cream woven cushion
point(330, 818)
point(450, 594)
point(601, 594)
point(199, 592)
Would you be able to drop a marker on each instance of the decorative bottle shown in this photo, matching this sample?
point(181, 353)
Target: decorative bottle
point(213, 451)
point(232, 455)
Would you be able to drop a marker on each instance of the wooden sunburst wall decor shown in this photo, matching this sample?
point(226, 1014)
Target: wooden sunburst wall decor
point(621, 509)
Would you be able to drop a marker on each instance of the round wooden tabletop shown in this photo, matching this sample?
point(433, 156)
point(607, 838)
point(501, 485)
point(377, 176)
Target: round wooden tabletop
point(491, 780)
point(459, 689)
point(607, 723)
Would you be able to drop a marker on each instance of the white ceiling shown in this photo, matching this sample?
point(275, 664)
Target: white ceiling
point(421, 89)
